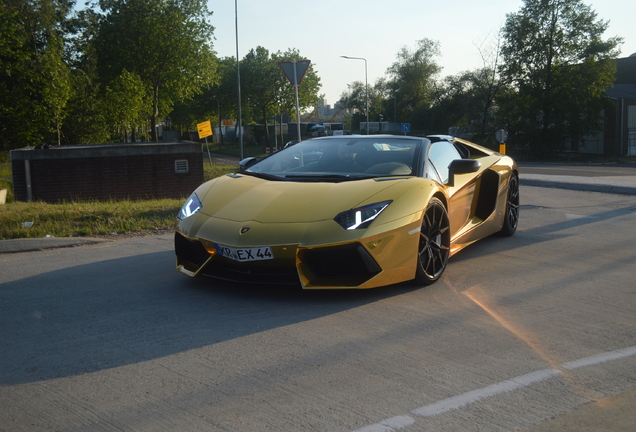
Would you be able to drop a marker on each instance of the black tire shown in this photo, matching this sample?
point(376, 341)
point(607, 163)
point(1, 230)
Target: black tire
point(434, 247)
point(511, 217)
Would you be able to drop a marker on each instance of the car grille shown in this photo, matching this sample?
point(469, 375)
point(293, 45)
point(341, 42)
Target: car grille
point(229, 270)
point(343, 266)
point(347, 265)
point(190, 251)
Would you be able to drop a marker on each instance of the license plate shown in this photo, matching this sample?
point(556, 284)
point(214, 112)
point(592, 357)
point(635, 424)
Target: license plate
point(245, 254)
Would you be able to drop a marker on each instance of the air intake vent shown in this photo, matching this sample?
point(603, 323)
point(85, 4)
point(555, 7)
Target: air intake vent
point(181, 166)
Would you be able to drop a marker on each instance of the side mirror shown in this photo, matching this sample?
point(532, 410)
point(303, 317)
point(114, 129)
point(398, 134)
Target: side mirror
point(247, 162)
point(461, 166)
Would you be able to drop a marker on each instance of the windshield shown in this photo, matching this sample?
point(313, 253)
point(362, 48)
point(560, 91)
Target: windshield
point(340, 159)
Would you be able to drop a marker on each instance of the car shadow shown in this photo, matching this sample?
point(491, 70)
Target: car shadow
point(117, 312)
point(540, 234)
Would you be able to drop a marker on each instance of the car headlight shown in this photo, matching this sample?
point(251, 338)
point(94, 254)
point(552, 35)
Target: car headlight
point(191, 206)
point(361, 217)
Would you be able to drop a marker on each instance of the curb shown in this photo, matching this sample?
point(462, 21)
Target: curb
point(37, 244)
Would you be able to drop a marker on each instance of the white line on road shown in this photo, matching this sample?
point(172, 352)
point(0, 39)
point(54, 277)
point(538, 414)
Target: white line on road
point(464, 399)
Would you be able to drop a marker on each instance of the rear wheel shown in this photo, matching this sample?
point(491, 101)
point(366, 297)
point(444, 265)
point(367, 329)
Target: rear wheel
point(434, 247)
point(511, 218)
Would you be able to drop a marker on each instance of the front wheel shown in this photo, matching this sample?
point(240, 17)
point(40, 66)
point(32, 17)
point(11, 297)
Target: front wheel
point(511, 217)
point(434, 246)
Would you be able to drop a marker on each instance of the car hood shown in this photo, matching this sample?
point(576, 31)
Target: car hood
point(245, 198)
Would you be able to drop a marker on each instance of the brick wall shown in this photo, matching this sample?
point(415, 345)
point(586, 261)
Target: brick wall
point(103, 172)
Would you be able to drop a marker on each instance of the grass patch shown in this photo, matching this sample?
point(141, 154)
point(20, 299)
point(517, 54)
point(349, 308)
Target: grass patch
point(73, 219)
point(213, 171)
point(234, 150)
point(5, 175)
point(5, 170)
point(93, 218)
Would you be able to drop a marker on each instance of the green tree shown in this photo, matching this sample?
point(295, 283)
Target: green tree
point(34, 80)
point(466, 100)
point(266, 90)
point(353, 99)
point(259, 84)
point(558, 66)
point(454, 102)
point(411, 78)
point(126, 106)
point(218, 100)
point(86, 121)
point(164, 42)
point(380, 102)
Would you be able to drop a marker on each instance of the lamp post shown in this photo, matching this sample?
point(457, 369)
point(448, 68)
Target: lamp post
point(366, 85)
point(218, 106)
point(349, 109)
point(238, 83)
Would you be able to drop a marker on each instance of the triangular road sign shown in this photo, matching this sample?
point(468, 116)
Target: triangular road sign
point(295, 70)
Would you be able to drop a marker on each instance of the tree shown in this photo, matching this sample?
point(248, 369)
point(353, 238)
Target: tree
point(86, 121)
point(488, 84)
point(166, 43)
point(266, 89)
point(558, 66)
point(259, 80)
point(354, 101)
point(125, 106)
point(456, 101)
point(411, 78)
point(34, 80)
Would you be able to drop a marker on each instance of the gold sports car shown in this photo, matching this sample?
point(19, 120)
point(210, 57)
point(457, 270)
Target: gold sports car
point(348, 212)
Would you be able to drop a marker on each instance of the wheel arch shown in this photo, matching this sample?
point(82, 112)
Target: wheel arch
point(439, 195)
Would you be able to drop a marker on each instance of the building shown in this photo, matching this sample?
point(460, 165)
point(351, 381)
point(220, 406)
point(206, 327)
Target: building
point(619, 136)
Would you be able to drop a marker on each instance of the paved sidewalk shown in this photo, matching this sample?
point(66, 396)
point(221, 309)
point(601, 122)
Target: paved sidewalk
point(624, 185)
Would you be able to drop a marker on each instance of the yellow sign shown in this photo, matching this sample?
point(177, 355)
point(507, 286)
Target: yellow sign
point(205, 129)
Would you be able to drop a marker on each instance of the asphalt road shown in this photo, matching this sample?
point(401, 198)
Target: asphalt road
point(526, 333)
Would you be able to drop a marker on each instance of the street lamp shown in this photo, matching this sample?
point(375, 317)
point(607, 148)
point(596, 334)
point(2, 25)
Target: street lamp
point(218, 106)
point(366, 84)
point(238, 82)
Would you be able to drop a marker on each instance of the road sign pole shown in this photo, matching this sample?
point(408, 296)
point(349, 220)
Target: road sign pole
point(293, 77)
point(502, 136)
point(208, 147)
point(300, 138)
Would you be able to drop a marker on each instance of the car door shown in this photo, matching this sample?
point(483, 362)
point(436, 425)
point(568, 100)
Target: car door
point(440, 155)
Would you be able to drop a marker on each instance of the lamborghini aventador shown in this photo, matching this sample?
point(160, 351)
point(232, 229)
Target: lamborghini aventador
point(348, 212)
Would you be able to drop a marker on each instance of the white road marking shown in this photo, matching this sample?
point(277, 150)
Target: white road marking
point(464, 399)
point(578, 216)
point(600, 358)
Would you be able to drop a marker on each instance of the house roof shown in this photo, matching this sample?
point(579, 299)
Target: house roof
point(622, 91)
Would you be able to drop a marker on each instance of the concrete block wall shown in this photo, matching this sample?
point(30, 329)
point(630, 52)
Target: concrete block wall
point(103, 172)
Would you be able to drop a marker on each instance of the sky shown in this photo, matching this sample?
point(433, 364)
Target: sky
point(376, 30)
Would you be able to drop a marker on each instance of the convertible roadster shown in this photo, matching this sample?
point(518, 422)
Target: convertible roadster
point(348, 212)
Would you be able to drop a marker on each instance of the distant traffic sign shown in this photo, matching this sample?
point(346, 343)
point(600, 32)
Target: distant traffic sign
point(205, 129)
point(406, 127)
point(501, 136)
